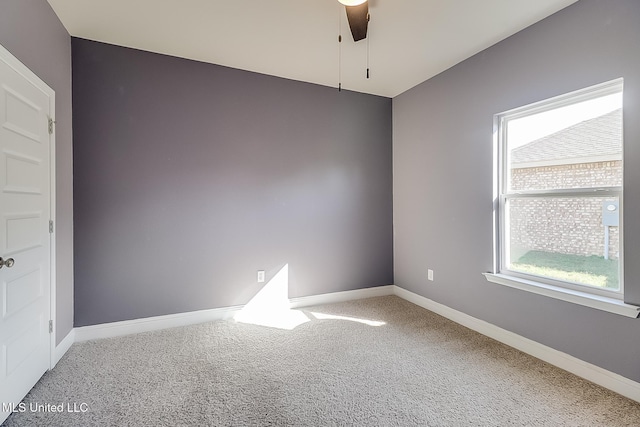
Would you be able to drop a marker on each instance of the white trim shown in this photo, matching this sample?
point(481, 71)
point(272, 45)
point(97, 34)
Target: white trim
point(37, 82)
point(52, 236)
point(378, 291)
point(588, 371)
point(127, 327)
point(22, 69)
point(147, 324)
point(565, 192)
point(579, 95)
point(64, 346)
point(599, 302)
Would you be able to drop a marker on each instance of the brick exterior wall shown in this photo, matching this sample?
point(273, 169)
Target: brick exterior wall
point(565, 225)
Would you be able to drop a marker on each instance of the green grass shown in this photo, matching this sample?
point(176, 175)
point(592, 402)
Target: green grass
point(588, 270)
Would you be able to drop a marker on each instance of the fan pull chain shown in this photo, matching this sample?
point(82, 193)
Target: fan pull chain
point(368, 39)
point(339, 62)
point(340, 49)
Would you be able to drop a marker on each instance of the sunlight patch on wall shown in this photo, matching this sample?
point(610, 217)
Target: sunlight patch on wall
point(270, 306)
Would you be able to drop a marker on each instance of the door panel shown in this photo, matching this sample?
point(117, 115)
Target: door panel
point(21, 292)
point(22, 115)
point(25, 287)
point(22, 174)
point(23, 232)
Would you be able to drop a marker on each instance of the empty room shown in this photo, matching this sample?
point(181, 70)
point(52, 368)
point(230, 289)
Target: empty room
point(320, 213)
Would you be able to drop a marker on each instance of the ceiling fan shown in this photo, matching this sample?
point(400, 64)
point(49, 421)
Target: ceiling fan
point(358, 17)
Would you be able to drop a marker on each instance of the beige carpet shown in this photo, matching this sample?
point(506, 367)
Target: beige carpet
point(375, 362)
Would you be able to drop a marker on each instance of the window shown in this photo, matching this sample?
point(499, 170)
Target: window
point(559, 187)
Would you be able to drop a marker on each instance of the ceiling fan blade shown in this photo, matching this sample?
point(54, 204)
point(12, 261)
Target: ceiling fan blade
point(358, 20)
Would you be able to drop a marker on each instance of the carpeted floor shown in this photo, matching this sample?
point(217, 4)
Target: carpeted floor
point(374, 362)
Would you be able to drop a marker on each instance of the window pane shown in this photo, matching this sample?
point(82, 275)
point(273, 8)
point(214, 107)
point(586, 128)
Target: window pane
point(572, 239)
point(576, 146)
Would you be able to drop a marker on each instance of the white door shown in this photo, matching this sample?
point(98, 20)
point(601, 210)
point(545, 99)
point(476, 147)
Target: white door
point(25, 241)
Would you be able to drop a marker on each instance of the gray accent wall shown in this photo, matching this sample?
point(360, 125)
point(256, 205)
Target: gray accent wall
point(443, 176)
point(32, 32)
point(191, 177)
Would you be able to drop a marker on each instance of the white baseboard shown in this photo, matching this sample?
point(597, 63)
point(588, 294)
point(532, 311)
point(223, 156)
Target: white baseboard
point(343, 296)
point(588, 371)
point(147, 324)
point(63, 347)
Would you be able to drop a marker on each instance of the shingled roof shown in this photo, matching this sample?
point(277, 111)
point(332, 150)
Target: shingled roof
point(597, 139)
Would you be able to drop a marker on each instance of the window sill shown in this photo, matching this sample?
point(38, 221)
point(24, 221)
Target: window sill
point(582, 298)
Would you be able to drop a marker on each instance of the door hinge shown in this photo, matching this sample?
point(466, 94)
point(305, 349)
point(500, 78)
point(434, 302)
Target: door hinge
point(50, 226)
point(50, 326)
point(51, 122)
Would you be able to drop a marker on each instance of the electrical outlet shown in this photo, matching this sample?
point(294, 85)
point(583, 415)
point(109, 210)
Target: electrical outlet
point(260, 276)
point(430, 274)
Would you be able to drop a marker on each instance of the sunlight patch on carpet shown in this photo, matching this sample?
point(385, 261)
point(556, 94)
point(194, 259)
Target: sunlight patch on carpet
point(323, 316)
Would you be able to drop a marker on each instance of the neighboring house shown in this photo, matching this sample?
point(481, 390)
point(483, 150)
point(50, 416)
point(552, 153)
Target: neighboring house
point(585, 155)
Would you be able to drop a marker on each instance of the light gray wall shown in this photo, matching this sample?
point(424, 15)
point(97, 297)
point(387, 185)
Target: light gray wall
point(32, 32)
point(190, 177)
point(442, 138)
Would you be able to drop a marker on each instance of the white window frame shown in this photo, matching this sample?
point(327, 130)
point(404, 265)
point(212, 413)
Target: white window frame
point(608, 300)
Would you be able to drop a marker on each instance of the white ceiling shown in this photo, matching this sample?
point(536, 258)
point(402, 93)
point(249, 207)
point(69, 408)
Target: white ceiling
point(409, 40)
